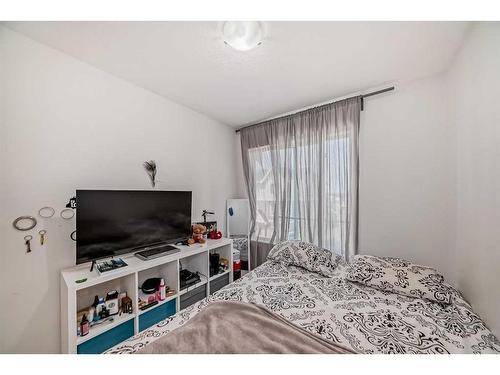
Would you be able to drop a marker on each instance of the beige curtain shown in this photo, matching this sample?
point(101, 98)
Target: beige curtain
point(301, 173)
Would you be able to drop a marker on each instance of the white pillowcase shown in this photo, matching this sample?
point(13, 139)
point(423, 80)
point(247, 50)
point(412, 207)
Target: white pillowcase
point(305, 255)
point(399, 276)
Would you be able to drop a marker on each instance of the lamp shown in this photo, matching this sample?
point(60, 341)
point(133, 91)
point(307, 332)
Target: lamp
point(242, 35)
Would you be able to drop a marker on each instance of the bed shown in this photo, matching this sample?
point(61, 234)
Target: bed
point(356, 317)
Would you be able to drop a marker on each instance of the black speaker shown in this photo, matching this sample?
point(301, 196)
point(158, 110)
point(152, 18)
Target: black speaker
point(214, 264)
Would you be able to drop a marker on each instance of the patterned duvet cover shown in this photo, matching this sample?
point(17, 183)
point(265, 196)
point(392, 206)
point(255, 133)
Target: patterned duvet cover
point(357, 317)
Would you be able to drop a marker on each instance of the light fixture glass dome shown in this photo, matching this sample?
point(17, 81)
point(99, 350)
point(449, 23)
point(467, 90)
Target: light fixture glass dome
point(242, 35)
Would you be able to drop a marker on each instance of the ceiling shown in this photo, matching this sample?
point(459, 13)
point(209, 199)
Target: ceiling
point(298, 64)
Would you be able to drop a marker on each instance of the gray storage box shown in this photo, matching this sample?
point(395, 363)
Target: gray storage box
point(193, 296)
point(219, 283)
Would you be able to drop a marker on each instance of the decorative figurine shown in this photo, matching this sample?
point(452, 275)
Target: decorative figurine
point(150, 167)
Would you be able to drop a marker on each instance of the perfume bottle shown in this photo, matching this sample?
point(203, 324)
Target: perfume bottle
point(161, 293)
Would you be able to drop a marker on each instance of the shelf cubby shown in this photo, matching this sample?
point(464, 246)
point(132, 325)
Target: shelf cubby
point(109, 324)
point(195, 263)
point(168, 272)
point(85, 296)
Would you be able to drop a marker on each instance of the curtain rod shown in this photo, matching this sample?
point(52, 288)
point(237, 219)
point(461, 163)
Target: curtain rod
point(322, 105)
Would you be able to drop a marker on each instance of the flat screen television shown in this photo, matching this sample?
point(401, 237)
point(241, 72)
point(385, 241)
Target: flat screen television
point(114, 222)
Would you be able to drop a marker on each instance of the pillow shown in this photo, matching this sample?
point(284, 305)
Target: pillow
point(305, 255)
point(399, 276)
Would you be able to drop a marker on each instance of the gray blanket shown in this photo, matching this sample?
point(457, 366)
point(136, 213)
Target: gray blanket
point(234, 327)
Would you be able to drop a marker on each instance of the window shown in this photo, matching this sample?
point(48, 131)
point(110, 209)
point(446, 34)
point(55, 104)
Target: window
point(314, 215)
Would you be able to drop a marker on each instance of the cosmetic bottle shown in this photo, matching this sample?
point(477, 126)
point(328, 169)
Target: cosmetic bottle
point(161, 291)
point(84, 326)
point(95, 305)
point(91, 313)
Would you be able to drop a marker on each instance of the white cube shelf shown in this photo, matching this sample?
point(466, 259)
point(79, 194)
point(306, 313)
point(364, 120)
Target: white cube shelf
point(76, 296)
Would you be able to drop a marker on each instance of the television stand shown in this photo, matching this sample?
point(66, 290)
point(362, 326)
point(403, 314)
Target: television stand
point(156, 252)
point(76, 294)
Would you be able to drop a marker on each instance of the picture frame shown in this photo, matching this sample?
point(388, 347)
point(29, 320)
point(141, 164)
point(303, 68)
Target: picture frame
point(210, 225)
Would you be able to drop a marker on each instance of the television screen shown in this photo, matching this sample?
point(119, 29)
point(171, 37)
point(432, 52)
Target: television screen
point(114, 222)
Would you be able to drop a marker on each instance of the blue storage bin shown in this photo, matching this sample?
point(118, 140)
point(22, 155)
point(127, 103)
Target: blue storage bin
point(107, 339)
point(156, 314)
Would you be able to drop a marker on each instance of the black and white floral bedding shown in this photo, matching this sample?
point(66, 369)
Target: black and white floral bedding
point(305, 255)
point(400, 276)
point(359, 317)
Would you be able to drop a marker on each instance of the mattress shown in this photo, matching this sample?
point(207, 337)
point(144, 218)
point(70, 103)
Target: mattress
point(358, 317)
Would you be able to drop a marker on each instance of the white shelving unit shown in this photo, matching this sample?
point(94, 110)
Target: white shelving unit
point(76, 296)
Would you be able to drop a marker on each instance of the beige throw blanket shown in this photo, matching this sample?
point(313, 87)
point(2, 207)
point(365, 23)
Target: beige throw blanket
point(233, 327)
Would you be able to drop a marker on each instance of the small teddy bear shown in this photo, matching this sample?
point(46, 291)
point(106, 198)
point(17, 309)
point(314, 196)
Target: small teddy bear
point(198, 230)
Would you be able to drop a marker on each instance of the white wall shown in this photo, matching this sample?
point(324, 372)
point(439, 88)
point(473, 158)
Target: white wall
point(430, 176)
point(66, 125)
point(407, 175)
point(474, 91)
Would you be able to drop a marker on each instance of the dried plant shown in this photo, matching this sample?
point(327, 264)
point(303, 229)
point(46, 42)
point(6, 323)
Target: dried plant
point(150, 167)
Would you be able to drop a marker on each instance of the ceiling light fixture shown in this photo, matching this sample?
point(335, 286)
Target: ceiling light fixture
point(242, 35)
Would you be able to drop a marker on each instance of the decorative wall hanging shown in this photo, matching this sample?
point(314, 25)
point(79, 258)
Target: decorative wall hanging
point(71, 203)
point(67, 213)
point(27, 242)
point(42, 234)
point(46, 212)
point(150, 167)
point(24, 223)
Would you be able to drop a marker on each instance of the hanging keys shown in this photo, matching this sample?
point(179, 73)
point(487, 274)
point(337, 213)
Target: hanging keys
point(27, 240)
point(42, 236)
